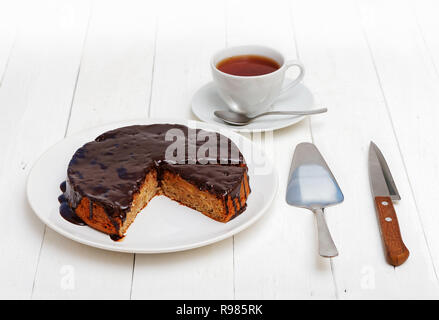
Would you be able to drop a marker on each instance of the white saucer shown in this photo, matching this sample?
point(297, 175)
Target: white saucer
point(206, 100)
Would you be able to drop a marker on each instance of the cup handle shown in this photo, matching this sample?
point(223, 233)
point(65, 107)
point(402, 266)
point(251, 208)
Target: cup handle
point(294, 63)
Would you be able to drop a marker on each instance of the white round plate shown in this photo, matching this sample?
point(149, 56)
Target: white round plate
point(206, 100)
point(164, 225)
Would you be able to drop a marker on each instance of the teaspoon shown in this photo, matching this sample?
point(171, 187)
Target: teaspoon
point(239, 119)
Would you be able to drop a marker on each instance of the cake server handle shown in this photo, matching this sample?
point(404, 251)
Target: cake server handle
point(327, 246)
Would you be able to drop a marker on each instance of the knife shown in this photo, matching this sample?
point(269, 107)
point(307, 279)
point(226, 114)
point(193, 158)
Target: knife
point(384, 191)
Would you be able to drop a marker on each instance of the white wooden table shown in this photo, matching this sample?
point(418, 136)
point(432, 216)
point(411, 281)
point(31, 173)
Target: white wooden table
point(70, 65)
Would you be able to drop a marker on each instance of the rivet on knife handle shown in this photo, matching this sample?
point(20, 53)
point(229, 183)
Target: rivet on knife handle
point(397, 252)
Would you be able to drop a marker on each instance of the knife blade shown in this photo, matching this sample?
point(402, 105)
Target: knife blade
point(384, 191)
point(377, 160)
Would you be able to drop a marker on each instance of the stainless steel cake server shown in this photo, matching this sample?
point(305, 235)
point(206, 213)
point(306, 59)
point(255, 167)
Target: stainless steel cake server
point(312, 185)
point(384, 191)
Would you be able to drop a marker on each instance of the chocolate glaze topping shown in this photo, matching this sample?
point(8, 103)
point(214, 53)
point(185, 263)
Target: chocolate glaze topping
point(112, 168)
point(65, 210)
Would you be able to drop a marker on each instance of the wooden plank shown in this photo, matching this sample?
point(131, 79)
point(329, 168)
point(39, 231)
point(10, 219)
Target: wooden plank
point(113, 84)
point(409, 78)
point(277, 258)
point(420, 150)
point(37, 88)
point(425, 15)
point(186, 39)
point(9, 16)
point(333, 47)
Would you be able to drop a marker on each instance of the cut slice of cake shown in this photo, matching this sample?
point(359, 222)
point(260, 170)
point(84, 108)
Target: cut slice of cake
point(219, 192)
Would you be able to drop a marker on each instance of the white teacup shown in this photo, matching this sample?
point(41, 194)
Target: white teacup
point(253, 94)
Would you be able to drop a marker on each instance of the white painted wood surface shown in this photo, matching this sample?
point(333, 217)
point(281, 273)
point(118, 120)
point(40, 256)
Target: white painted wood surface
point(69, 65)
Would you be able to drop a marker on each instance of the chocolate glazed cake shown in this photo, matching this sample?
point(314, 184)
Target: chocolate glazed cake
point(111, 179)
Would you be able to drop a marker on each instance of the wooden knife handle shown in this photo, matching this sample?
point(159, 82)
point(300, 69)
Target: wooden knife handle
point(397, 252)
